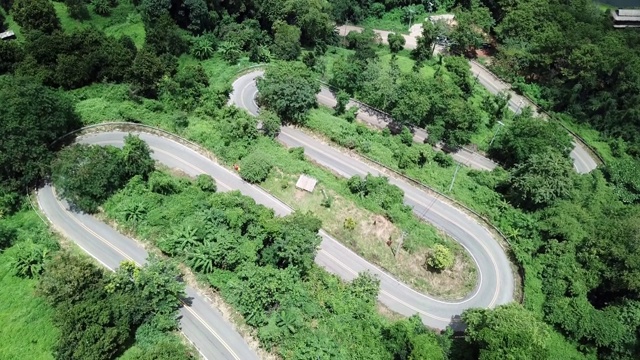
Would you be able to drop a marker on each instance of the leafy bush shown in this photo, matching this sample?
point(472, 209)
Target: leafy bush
point(406, 136)
point(203, 47)
point(443, 159)
point(206, 183)
point(297, 152)
point(255, 168)
point(440, 258)
point(349, 224)
point(377, 189)
point(101, 7)
point(29, 259)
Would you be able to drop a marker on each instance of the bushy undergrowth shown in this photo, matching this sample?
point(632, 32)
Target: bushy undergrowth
point(264, 267)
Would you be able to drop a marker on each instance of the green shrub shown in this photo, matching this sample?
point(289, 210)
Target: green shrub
point(255, 168)
point(297, 152)
point(442, 159)
point(206, 183)
point(440, 258)
point(349, 224)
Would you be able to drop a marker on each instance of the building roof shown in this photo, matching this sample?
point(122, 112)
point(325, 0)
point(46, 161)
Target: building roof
point(306, 183)
point(629, 12)
point(9, 34)
point(626, 18)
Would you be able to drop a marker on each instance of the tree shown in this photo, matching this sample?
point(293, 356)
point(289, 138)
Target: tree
point(102, 7)
point(527, 136)
point(186, 88)
point(342, 99)
point(68, 278)
point(136, 157)
point(289, 90)
point(460, 71)
point(36, 15)
point(271, 123)
point(440, 258)
point(255, 168)
point(146, 72)
point(163, 36)
point(153, 9)
point(230, 51)
point(541, 180)
point(32, 117)
point(87, 175)
point(295, 244)
point(396, 42)
point(507, 332)
point(11, 54)
point(425, 43)
point(286, 41)
point(365, 287)
point(206, 183)
point(456, 124)
point(77, 9)
point(346, 74)
point(203, 47)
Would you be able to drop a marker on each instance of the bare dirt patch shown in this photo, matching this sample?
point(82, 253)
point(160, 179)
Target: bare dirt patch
point(371, 236)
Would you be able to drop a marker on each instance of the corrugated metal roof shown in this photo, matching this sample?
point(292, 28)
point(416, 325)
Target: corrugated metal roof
point(306, 183)
point(629, 12)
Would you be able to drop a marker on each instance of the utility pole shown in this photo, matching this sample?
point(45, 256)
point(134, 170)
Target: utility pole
point(454, 177)
point(496, 133)
point(395, 253)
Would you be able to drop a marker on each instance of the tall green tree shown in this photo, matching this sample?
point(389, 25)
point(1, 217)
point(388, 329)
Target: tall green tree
point(286, 41)
point(541, 180)
point(146, 72)
point(87, 175)
point(425, 44)
point(289, 89)
point(32, 117)
point(527, 136)
point(396, 42)
point(36, 15)
point(136, 157)
point(460, 72)
point(507, 332)
point(456, 125)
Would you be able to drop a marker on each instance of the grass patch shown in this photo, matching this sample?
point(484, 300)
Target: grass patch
point(27, 330)
point(123, 20)
point(394, 20)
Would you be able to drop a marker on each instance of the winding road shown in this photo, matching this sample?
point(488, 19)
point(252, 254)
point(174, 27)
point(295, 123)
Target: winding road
point(203, 324)
point(496, 282)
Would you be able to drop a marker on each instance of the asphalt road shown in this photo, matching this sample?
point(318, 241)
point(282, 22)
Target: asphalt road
point(583, 162)
point(201, 322)
point(496, 283)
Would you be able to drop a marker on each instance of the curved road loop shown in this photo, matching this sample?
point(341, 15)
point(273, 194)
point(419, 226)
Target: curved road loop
point(583, 161)
point(495, 278)
point(202, 323)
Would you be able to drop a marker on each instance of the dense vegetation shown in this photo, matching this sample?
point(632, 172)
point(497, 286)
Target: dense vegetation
point(263, 265)
point(575, 236)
